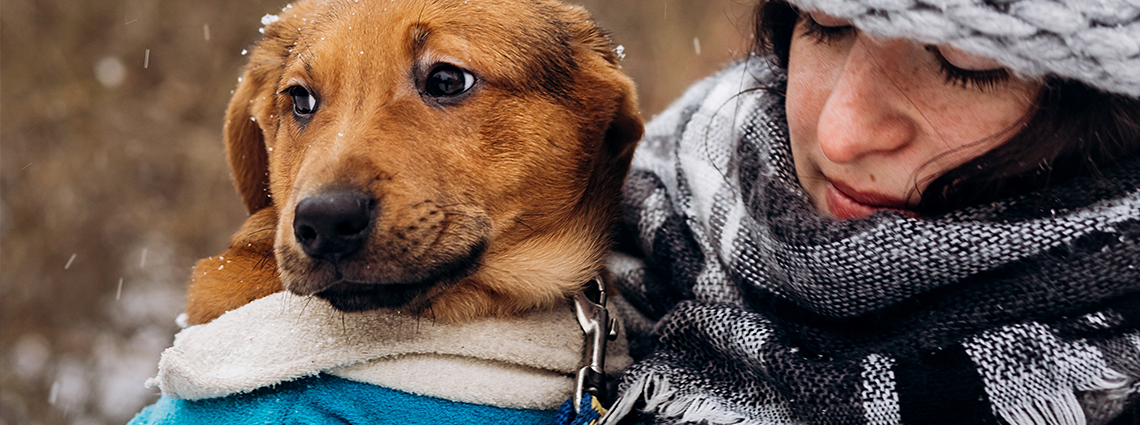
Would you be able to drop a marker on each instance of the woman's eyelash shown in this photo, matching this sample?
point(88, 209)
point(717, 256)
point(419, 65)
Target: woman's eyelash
point(824, 34)
point(982, 80)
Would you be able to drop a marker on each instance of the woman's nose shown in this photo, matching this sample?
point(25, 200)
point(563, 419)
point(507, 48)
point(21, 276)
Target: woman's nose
point(867, 111)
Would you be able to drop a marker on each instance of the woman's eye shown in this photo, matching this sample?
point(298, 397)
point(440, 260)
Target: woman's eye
point(825, 28)
point(448, 81)
point(304, 101)
point(968, 71)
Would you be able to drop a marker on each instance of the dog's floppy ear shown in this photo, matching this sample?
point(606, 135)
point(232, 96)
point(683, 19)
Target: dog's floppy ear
point(245, 142)
point(250, 117)
point(625, 124)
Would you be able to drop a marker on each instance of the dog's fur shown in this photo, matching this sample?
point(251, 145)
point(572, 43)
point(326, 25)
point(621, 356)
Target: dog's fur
point(493, 202)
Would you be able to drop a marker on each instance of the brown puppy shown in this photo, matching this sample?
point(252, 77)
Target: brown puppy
point(451, 158)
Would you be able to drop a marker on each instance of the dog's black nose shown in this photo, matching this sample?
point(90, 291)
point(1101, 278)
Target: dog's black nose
point(333, 225)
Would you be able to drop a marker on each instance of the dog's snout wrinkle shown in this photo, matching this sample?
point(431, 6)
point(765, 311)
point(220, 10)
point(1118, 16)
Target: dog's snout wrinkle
point(334, 225)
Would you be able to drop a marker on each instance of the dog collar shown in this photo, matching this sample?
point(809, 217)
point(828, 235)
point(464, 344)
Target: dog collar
point(526, 362)
point(599, 327)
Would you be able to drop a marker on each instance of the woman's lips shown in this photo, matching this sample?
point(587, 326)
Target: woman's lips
point(845, 203)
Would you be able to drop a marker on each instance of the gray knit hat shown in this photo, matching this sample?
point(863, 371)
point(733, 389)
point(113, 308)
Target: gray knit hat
point(1093, 41)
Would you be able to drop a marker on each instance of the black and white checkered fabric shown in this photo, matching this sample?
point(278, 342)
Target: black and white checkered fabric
point(750, 308)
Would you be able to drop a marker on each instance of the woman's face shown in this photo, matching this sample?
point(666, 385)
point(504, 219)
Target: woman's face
point(873, 120)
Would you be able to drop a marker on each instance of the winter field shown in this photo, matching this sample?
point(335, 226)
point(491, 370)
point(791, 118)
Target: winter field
point(113, 181)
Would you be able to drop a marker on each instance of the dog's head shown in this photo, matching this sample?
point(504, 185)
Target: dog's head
point(457, 157)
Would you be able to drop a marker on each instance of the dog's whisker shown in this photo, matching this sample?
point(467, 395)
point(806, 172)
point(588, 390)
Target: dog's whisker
point(267, 229)
point(523, 223)
point(301, 314)
point(264, 260)
point(465, 204)
point(285, 300)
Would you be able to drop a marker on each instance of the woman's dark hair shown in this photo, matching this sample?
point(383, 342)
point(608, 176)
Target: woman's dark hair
point(1073, 130)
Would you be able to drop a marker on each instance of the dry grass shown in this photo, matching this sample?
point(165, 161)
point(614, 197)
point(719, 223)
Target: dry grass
point(112, 179)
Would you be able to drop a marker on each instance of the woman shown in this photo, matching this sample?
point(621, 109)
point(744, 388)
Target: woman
point(897, 212)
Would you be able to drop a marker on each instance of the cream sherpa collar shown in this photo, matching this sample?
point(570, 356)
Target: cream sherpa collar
point(525, 363)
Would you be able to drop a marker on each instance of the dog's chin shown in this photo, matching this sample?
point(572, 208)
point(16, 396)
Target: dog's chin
point(354, 297)
point(352, 290)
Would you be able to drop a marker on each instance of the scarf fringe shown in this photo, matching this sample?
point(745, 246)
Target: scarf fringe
point(1114, 383)
point(1065, 408)
point(660, 397)
point(1062, 409)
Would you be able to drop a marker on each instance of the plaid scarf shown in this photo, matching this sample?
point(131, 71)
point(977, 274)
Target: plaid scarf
point(747, 306)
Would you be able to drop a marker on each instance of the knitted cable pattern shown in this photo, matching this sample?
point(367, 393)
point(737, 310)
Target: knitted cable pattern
point(763, 311)
point(1093, 41)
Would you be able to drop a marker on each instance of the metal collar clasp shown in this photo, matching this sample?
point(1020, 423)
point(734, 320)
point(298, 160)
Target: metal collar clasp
point(590, 307)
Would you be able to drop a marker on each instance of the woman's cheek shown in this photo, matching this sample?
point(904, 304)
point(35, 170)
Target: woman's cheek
point(809, 87)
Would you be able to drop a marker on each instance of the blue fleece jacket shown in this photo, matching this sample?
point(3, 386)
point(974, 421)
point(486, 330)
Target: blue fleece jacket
point(326, 399)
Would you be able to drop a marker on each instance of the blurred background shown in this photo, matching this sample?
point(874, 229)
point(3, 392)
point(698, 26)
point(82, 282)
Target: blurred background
point(113, 181)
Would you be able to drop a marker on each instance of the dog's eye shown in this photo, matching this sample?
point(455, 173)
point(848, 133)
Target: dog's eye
point(447, 81)
point(304, 102)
